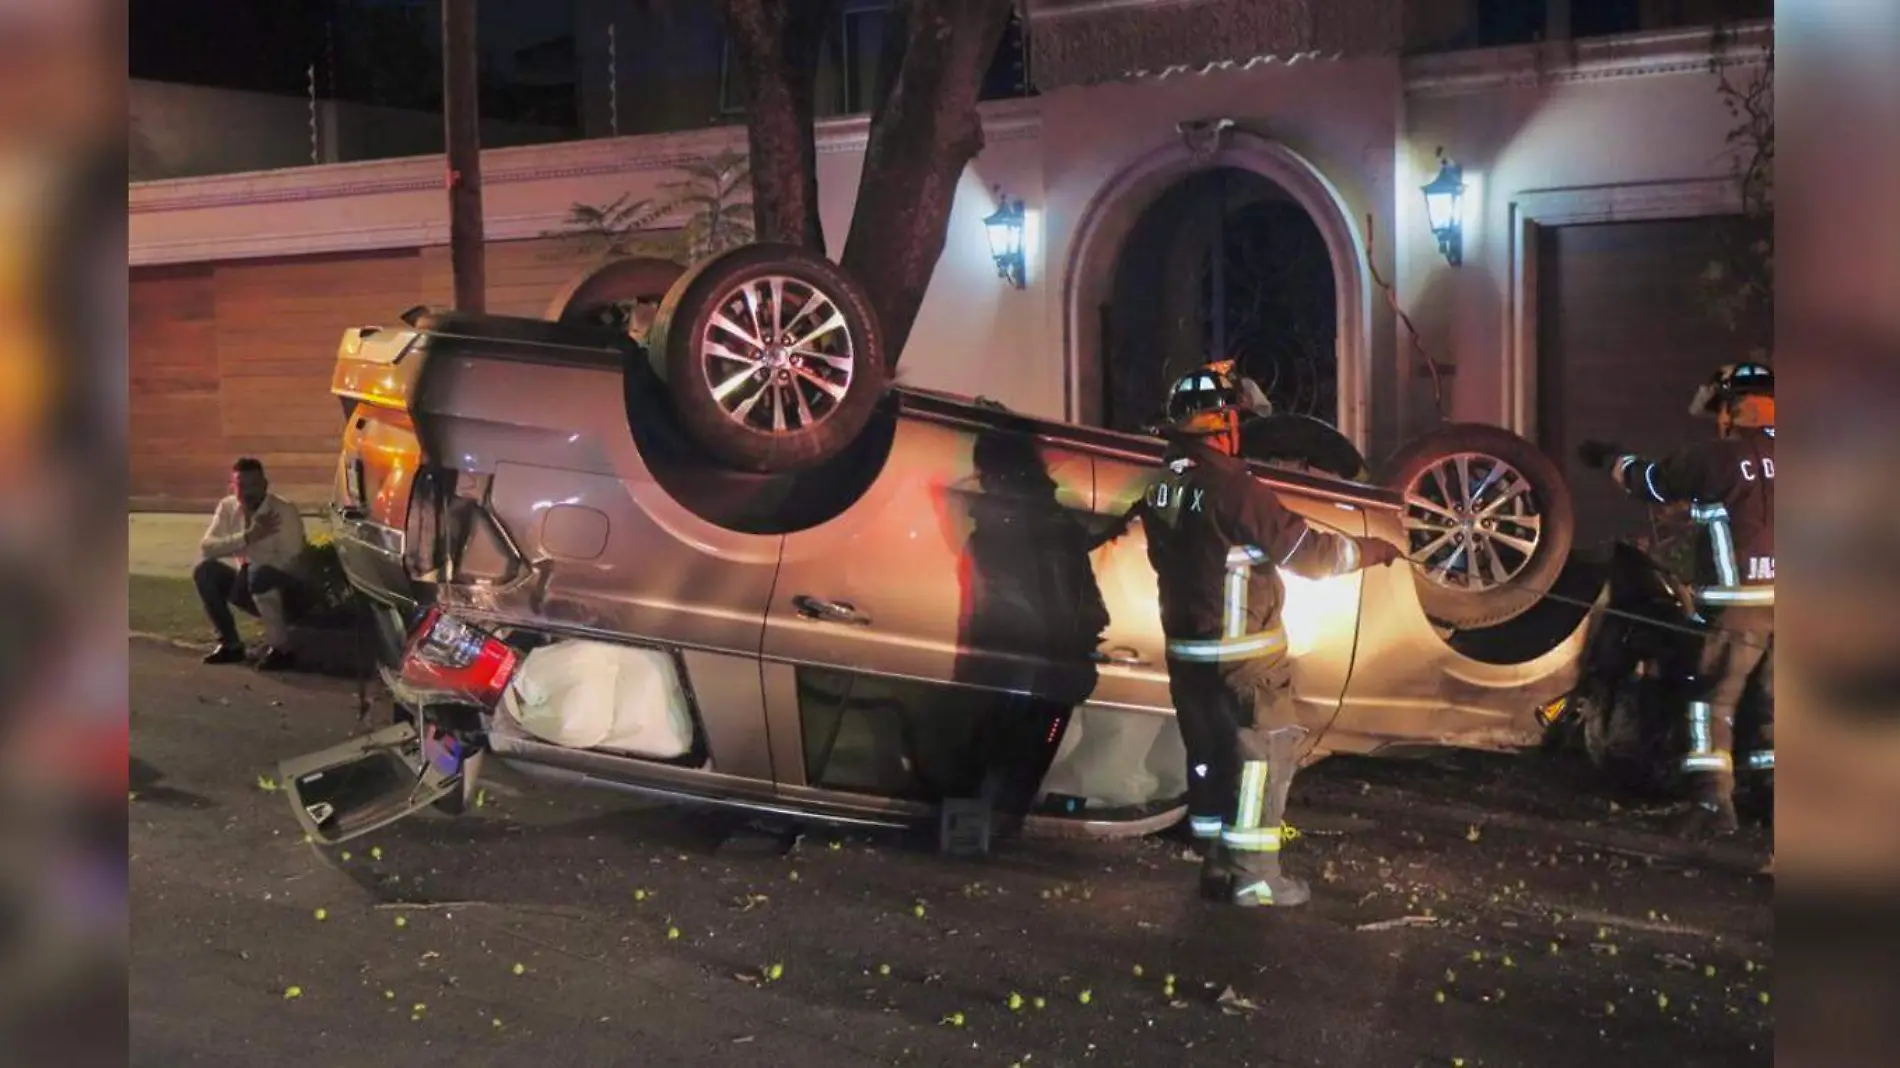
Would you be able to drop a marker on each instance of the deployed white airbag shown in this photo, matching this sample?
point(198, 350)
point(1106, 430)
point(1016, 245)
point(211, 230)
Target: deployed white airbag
point(597, 695)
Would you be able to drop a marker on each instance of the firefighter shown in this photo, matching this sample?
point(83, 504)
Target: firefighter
point(1729, 485)
point(1215, 538)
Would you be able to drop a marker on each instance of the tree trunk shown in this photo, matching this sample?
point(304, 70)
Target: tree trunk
point(924, 132)
point(777, 45)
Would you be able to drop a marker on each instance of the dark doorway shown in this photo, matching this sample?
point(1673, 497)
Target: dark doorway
point(1223, 263)
point(1625, 334)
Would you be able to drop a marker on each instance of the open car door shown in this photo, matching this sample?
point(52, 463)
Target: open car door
point(369, 781)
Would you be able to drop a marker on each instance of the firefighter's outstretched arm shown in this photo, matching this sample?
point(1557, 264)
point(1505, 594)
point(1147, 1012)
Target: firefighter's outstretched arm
point(1680, 476)
point(1303, 548)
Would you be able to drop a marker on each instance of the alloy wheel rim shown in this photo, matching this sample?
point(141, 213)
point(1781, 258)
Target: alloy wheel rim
point(1472, 522)
point(777, 355)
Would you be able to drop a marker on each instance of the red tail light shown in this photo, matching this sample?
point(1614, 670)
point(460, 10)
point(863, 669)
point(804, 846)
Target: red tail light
point(447, 654)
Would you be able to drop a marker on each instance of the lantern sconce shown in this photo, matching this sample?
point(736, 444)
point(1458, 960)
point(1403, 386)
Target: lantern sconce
point(1445, 208)
point(1005, 229)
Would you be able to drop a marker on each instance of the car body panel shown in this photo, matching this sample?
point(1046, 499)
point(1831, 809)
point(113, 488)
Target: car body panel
point(365, 783)
point(963, 566)
point(959, 564)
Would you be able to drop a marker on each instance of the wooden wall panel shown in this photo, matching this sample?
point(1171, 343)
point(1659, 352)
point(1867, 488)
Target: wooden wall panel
point(234, 359)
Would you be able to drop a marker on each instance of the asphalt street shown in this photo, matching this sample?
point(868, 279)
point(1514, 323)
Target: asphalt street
point(1468, 911)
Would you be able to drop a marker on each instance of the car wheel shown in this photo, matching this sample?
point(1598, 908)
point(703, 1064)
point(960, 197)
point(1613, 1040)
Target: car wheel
point(1302, 443)
point(624, 294)
point(1488, 520)
point(771, 356)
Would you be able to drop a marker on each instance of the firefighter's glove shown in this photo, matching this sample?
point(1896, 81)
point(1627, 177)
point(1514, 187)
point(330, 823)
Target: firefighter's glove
point(1596, 455)
point(1376, 552)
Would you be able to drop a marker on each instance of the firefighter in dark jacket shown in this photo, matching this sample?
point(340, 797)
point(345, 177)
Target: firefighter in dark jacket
point(1215, 538)
point(1729, 485)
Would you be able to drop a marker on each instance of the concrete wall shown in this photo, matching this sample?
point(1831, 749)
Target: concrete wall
point(976, 334)
point(1601, 119)
point(183, 131)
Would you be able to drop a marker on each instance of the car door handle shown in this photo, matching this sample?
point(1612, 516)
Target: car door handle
point(1120, 656)
point(829, 611)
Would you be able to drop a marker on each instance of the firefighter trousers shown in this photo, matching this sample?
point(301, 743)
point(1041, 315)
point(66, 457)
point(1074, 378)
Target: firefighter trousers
point(1225, 712)
point(1731, 699)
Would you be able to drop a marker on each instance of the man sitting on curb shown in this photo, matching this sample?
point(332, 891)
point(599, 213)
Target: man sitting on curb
point(264, 534)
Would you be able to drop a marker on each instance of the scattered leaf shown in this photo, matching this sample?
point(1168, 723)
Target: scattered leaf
point(1233, 1004)
point(267, 784)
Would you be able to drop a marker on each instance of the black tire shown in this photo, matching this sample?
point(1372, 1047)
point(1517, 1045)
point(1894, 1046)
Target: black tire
point(1452, 592)
point(852, 360)
point(606, 295)
point(1301, 442)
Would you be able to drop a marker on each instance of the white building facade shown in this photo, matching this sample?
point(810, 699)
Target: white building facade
point(266, 268)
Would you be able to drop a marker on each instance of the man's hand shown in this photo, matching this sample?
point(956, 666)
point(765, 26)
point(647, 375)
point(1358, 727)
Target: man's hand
point(1596, 455)
point(262, 526)
point(1377, 552)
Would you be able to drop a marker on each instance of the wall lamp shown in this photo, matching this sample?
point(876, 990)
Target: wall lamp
point(1005, 229)
point(1445, 209)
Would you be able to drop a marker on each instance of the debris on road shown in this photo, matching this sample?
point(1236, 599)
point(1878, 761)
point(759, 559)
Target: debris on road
point(1399, 921)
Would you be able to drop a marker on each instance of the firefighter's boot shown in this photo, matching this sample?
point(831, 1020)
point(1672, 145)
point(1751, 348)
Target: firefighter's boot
point(1711, 811)
point(1259, 822)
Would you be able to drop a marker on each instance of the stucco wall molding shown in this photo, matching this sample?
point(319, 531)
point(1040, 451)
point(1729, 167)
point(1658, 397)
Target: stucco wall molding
point(1002, 121)
point(1611, 58)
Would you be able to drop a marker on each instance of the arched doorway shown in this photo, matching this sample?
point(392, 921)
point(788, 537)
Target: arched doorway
point(1223, 263)
point(1267, 187)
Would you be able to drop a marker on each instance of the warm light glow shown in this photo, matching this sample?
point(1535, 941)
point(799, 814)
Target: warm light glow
point(1310, 603)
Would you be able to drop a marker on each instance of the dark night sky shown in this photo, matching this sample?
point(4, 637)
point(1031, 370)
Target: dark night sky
point(266, 45)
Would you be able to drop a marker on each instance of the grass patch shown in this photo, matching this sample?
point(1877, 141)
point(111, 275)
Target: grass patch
point(169, 607)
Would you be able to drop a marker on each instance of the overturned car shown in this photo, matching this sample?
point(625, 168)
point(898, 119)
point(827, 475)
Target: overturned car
point(724, 560)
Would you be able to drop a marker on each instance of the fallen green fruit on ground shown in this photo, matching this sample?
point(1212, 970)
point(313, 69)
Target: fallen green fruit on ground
point(883, 969)
point(1438, 996)
point(375, 852)
point(402, 921)
point(293, 992)
point(917, 911)
point(775, 972)
point(321, 915)
point(495, 1023)
point(520, 969)
point(389, 995)
point(1137, 971)
point(1015, 1002)
point(1041, 1003)
point(672, 934)
point(1085, 996)
point(955, 1019)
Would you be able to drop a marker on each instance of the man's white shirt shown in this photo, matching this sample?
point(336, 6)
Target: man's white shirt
point(282, 549)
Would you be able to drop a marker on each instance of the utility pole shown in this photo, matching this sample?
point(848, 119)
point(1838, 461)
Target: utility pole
point(462, 133)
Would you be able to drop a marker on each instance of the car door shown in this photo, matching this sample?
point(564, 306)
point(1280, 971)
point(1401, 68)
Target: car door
point(959, 580)
point(1322, 617)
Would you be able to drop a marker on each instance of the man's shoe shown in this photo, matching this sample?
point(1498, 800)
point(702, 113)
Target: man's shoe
point(276, 660)
point(226, 653)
